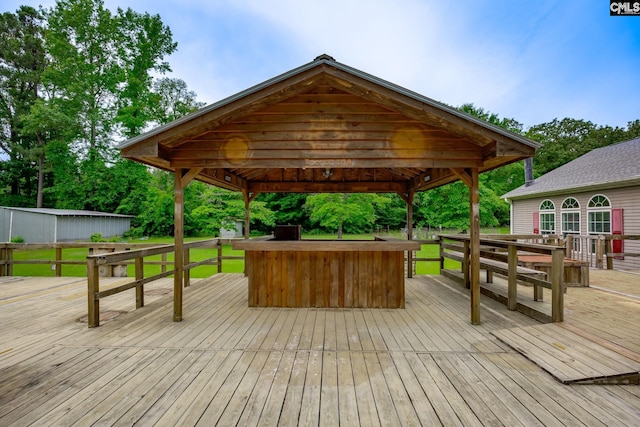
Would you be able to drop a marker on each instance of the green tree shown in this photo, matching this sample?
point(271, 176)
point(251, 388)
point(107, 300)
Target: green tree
point(390, 211)
point(85, 69)
point(22, 61)
point(288, 208)
point(144, 42)
point(448, 207)
point(219, 208)
point(172, 99)
point(567, 139)
point(351, 213)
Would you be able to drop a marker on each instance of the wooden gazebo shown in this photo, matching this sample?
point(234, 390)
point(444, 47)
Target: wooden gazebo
point(327, 127)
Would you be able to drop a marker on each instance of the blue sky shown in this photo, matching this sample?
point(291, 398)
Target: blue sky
point(528, 60)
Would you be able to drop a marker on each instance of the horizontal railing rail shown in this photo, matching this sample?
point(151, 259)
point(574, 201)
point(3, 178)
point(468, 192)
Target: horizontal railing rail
point(598, 249)
point(457, 247)
point(94, 262)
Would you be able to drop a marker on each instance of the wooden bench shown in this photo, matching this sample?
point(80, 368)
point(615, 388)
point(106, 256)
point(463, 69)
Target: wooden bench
point(525, 274)
point(494, 266)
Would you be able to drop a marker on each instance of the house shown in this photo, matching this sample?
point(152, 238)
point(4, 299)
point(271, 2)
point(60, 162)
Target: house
point(41, 225)
point(597, 193)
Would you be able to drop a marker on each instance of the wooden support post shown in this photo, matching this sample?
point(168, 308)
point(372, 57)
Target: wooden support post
point(474, 232)
point(163, 267)
point(219, 245)
point(178, 262)
point(139, 267)
point(247, 214)
point(557, 285)
point(58, 263)
point(93, 287)
point(409, 201)
point(512, 290)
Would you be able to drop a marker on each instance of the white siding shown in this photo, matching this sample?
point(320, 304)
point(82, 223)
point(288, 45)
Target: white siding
point(622, 198)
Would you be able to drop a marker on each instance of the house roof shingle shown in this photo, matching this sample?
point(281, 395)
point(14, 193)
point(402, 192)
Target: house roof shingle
point(616, 165)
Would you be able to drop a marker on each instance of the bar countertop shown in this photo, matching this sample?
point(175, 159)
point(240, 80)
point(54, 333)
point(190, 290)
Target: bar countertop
point(380, 244)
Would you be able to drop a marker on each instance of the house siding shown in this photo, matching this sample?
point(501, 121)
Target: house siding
point(627, 198)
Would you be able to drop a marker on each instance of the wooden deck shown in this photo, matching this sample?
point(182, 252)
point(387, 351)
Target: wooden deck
point(229, 364)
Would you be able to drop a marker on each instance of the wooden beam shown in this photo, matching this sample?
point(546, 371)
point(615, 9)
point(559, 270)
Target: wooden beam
point(337, 162)
point(463, 175)
point(327, 187)
point(178, 226)
point(474, 233)
point(188, 176)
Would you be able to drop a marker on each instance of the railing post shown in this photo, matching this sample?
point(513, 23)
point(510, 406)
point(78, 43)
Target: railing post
point(600, 251)
point(58, 259)
point(557, 285)
point(568, 249)
point(466, 263)
point(512, 290)
point(139, 267)
point(219, 244)
point(93, 277)
point(441, 242)
point(187, 271)
point(163, 267)
point(609, 250)
point(3, 258)
point(9, 258)
point(409, 264)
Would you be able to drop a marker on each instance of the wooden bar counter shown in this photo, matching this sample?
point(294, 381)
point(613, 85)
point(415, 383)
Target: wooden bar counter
point(321, 273)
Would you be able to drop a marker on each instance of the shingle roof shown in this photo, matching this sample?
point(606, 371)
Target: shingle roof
point(66, 212)
point(616, 165)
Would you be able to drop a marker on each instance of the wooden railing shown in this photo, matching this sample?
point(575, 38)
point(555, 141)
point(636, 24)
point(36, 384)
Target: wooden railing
point(598, 249)
point(501, 248)
point(138, 255)
point(493, 250)
point(7, 250)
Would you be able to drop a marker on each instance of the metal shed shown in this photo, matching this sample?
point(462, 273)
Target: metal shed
point(41, 225)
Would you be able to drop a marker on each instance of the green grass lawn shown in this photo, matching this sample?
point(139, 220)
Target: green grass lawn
point(80, 254)
point(228, 266)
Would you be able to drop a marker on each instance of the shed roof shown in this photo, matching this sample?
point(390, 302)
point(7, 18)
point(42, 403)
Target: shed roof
point(67, 212)
point(613, 166)
point(327, 127)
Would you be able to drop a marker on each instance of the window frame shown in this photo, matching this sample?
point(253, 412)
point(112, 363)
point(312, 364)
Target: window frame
point(603, 206)
point(547, 211)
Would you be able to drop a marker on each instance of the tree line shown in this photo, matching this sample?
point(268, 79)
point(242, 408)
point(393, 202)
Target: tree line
point(76, 77)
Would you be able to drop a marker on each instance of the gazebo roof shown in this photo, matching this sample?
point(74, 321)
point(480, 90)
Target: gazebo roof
point(327, 127)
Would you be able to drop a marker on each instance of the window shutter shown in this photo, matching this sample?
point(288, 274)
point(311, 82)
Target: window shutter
point(617, 228)
point(536, 223)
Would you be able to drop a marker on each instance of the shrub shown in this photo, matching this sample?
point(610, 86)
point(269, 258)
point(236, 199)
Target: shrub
point(17, 239)
point(97, 237)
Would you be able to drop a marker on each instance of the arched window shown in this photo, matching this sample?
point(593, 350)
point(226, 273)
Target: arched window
point(599, 214)
point(571, 220)
point(598, 217)
point(547, 217)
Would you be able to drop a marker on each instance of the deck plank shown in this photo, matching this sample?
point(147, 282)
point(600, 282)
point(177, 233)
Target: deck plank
point(231, 364)
point(570, 357)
